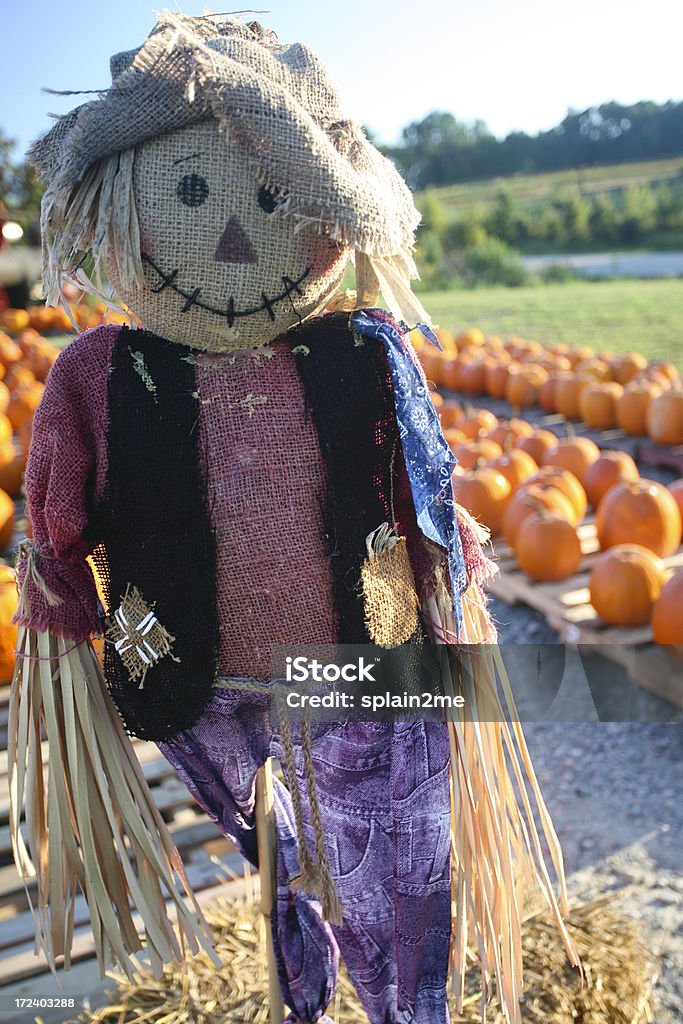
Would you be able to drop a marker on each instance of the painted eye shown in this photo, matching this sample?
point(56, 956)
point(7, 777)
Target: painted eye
point(192, 190)
point(269, 201)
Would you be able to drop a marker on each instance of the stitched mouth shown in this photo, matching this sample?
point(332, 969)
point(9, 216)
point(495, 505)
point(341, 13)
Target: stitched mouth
point(229, 312)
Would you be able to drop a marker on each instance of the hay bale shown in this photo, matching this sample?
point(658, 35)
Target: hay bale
point(616, 988)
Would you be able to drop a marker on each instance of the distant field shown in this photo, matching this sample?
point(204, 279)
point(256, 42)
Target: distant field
point(613, 315)
point(530, 189)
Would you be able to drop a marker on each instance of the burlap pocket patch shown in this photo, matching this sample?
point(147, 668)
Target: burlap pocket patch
point(390, 598)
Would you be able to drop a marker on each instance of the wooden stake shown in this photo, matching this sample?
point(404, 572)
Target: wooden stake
point(266, 839)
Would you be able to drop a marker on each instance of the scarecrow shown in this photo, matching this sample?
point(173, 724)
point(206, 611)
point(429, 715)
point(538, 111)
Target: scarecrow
point(255, 463)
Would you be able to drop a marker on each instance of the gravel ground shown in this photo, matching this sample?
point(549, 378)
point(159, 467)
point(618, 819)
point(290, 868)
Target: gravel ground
point(614, 788)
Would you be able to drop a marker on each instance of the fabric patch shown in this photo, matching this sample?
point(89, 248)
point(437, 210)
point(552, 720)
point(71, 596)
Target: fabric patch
point(391, 604)
point(137, 635)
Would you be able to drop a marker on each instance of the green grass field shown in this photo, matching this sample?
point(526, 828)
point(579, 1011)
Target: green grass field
point(529, 190)
point(621, 316)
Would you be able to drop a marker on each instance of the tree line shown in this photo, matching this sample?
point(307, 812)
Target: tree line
point(441, 150)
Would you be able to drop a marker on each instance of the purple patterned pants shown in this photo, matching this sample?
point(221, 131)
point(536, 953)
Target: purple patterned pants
point(384, 795)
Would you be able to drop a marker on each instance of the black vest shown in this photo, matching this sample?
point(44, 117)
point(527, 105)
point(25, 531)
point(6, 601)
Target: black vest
point(154, 527)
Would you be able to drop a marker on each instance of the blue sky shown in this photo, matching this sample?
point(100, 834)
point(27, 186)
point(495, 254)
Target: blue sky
point(516, 65)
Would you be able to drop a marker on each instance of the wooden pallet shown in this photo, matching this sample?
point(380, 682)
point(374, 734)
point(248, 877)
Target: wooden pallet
point(567, 609)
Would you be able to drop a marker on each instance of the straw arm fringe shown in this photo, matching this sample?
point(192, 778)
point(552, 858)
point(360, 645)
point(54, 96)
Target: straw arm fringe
point(90, 817)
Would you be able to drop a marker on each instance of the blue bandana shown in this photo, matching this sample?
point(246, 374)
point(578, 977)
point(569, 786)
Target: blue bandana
point(429, 460)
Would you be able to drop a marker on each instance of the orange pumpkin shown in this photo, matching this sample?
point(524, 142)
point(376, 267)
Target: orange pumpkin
point(665, 418)
point(639, 512)
point(507, 431)
point(537, 444)
point(7, 520)
point(598, 404)
point(611, 468)
point(450, 414)
point(547, 547)
point(624, 584)
point(568, 388)
point(515, 465)
point(579, 355)
point(472, 374)
point(432, 360)
point(496, 377)
point(478, 421)
point(11, 469)
point(23, 403)
point(468, 453)
point(8, 632)
point(484, 493)
point(628, 366)
point(471, 336)
point(574, 454)
point(667, 614)
point(632, 406)
point(524, 502)
point(524, 384)
point(676, 489)
point(14, 320)
point(563, 480)
point(546, 394)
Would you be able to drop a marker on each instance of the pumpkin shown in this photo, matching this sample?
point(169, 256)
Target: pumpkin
point(639, 512)
point(23, 403)
point(676, 489)
point(472, 374)
point(628, 366)
point(632, 406)
point(7, 520)
point(450, 414)
point(568, 388)
point(667, 613)
point(4, 397)
point(484, 492)
point(471, 336)
point(598, 404)
point(436, 399)
point(468, 453)
point(667, 369)
point(579, 355)
point(563, 480)
point(515, 465)
point(431, 360)
point(14, 320)
point(547, 547)
point(496, 376)
point(574, 454)
point(524, 384)
point(449, 374)
point(665, 418)
point(537, 444)
point(8, 632)
point(595, 369)
point(11, 469)
point(546, 394)
point(524, 502)
point(610, 469)
point(624, 584)
point(478, 421)
point(507, 431)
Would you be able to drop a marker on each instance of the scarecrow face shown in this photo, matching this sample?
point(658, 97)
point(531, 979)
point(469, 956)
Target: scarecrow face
point(224, 269)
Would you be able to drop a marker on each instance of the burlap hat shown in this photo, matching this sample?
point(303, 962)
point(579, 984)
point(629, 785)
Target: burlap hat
point(275, 100)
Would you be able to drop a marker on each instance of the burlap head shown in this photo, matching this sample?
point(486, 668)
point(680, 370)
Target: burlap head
point(223, 269)
point(275, 104)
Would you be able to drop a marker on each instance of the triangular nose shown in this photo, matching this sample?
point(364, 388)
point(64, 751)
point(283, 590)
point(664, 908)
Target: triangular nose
point(234, 245)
